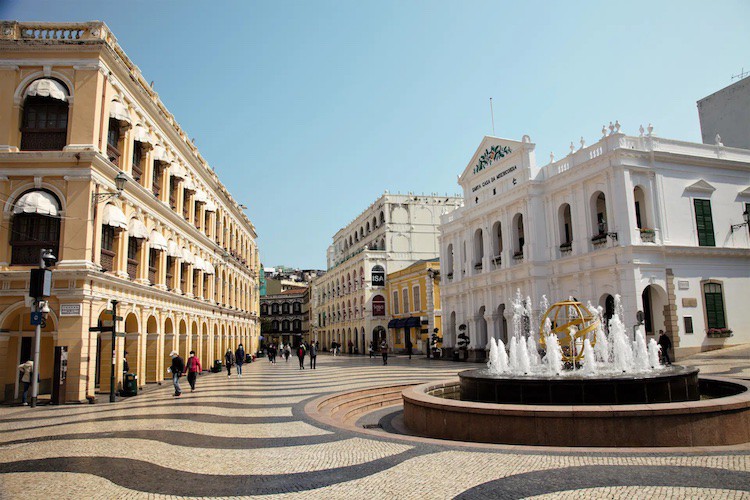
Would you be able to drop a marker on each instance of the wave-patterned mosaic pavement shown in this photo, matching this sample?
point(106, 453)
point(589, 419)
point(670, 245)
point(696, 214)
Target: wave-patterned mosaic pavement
point(246, 437)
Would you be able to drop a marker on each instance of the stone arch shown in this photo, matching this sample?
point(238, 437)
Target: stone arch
point(169, 345)
point(205, 346)
point(38, 75)
point(134, 345)
point(154, 343)
point(654, 301)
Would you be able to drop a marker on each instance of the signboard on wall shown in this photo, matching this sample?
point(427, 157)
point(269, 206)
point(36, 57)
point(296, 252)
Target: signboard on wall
point(378, 276)
point(378, 305)
point(71, 309)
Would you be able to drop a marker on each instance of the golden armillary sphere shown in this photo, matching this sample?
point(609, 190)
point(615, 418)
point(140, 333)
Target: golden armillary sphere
point(564, 316)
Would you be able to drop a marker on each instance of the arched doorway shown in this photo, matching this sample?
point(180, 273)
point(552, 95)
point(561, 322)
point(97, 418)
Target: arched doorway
point(169, 346)
point(205, 351)
point(133, 348)
point(183, 342)
point(654, 301)
point(20, 348)
point(607, 303)
point(152, 350)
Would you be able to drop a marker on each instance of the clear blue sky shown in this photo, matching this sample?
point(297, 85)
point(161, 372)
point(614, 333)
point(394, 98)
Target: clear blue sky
point(309, 110)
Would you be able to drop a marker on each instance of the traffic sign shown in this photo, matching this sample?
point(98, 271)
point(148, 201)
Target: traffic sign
point(36, 318)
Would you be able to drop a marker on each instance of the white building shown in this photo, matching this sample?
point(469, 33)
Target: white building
point(348, 302)
point(644, 217)
point(727, 113)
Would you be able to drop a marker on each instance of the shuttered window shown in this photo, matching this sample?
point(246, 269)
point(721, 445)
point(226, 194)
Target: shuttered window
point(714, 305)
point(704, 223)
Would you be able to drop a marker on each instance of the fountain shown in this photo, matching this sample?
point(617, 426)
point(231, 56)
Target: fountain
point(569, 373)
point(593, 386)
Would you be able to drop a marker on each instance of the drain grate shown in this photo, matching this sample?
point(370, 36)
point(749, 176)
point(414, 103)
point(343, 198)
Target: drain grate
point(372, 426)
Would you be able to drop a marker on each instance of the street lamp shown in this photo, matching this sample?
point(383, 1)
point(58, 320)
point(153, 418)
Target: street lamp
point(120, 180)
point(40, 287)
point(746, 216)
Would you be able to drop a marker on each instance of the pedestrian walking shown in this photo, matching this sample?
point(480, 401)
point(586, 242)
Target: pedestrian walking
point(408, 347)
point(384, 351)
point(239, 355)
point(313, 355)
point(666, 344)
point(26, 369)
point(333, 348)
point(229, 360)
point(351, 347)
point(193, 368)
point(301, 356)
point(371, 349)
point(125, 365)
point(274, 351)
point(287, 352)
point(177, 368)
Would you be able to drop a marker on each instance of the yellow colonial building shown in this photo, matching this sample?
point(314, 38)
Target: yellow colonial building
point(414, 304)
point(172, 247)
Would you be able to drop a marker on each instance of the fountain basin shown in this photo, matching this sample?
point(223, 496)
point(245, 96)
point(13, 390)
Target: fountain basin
point(724, 420)
point(668, 385)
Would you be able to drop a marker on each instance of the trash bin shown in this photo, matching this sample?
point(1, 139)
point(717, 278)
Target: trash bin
point(129, 385)
point(248, 358)
point(456, 356)
point(217, 366)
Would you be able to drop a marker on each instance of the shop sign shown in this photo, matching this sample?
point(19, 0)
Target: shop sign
point(378, 306)
point(378, 276)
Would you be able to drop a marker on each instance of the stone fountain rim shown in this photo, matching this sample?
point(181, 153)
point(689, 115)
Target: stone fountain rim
point(419, 395)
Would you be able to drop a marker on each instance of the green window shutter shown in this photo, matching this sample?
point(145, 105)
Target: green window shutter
point(714, 307)
point(704, 223)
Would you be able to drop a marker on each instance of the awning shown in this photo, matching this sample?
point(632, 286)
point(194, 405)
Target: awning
point(157, 241)
point(188, 184)
point(136, 229)
point(46, 87)
point(396, 323)
point(178, 170)
point(140, 134)
point(37, 202)
point(187, 256)
point(199, 264)
point(412, 322)
point(173, 250)
point(209, 268)
point(119, 112)
point(200, 196)
point(160, 154)
point(113, 216)
point(210, 206)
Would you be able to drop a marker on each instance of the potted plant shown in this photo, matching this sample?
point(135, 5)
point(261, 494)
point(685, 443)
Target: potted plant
point(719, 333)
point(647, 234)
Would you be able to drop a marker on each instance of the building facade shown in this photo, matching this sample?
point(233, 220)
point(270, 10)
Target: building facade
point(656, 220)
point(349, 301)
point(726, 114)
point(413, 299)
point(173, 247)
point(285, 316)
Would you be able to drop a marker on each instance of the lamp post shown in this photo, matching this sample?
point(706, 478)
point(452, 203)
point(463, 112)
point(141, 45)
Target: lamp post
point(40, 288)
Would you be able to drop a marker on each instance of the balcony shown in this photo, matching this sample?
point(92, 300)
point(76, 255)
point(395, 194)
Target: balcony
point(518, 256)
point(566, 248)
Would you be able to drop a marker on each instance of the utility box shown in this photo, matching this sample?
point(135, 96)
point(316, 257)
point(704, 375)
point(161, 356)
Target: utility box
point(129, 385)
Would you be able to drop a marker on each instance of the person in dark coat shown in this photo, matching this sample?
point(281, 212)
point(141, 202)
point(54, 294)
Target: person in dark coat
point(666, 344)
point(301, 356)
point(408, 347)
point(177, 368)
point(313, 355)
point(384, 351)
point(229, 360)
point(239, 356)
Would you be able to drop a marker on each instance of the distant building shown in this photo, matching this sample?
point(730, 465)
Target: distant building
point(413, 298)
point(285, 316)
point(349, 303)
point(727, 113)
